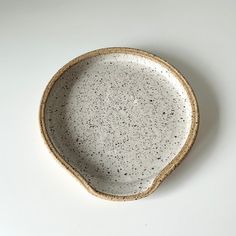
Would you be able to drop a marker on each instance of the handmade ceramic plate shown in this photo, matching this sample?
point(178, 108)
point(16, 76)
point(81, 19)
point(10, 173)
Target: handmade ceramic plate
point(120, 120)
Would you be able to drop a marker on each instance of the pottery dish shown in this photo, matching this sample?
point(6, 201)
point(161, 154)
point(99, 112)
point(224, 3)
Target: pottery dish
point(120, 120)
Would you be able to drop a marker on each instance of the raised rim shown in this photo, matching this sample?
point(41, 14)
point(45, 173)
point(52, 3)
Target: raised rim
point(170, 167)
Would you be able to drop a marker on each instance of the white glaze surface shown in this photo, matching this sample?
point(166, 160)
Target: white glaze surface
point(118, 119)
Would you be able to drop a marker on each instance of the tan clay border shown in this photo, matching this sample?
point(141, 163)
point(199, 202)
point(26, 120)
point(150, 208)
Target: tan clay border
point(170, 167)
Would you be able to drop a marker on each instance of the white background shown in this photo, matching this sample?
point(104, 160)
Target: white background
point(39, 197)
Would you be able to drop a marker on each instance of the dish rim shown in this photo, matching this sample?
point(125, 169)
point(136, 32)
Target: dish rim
point(166, 170)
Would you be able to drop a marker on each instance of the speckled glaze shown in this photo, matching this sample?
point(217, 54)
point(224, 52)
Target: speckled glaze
point(120, 120)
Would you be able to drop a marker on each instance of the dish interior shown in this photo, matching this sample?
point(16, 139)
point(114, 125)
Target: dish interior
point(118, 119)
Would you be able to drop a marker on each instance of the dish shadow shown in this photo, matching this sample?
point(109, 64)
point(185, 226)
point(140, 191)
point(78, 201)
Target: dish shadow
point(208, 128)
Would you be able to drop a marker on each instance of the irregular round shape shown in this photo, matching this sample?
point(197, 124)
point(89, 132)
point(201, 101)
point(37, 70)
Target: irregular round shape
point(120, 120)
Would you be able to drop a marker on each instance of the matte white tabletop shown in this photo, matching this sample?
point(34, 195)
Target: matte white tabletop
point(37, 196)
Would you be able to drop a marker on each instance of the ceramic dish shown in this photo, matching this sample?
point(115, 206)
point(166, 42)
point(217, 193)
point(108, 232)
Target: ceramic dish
point(120, 120)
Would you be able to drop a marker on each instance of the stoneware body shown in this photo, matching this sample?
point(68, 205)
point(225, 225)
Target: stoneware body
point(120, 120)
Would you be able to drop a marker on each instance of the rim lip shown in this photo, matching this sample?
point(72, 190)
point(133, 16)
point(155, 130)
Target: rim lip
point(170, 167)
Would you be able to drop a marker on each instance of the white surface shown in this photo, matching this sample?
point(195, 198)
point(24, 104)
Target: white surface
point(39, 197)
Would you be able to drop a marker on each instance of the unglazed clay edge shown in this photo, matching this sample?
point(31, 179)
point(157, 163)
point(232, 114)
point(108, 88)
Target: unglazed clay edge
point(170, 167)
